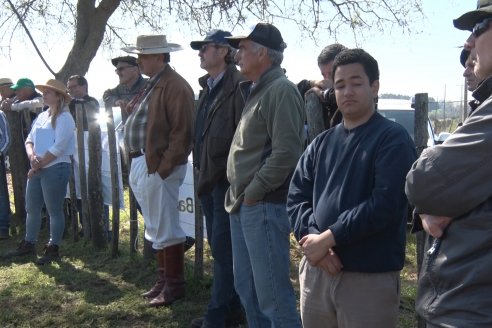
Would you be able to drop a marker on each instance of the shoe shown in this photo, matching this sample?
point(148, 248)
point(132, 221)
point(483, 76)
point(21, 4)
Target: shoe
point(161, 280)
point(50, 254)
point(4, 234)
point(189, 242)
point(24, 248)
point(174, 286)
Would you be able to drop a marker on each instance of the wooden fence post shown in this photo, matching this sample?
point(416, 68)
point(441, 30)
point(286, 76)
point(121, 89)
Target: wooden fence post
point(94, 178)
point(115, 187)
point(79, 119)
point(19, 166)
point(421, 137)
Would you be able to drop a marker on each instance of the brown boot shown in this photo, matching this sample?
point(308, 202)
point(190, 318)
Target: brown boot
point(174, 287)
point(159, 285)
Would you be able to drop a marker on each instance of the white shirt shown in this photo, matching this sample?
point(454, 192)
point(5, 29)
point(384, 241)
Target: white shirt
point(63, 143)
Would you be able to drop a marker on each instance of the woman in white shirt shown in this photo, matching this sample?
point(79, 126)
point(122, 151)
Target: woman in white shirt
point(49, 146)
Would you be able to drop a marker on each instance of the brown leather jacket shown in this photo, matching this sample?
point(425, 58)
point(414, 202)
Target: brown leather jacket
point(169, 124)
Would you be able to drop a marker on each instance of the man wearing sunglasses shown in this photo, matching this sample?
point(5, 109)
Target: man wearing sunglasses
point(218, 113)
point(131, 82)
point(450, 187)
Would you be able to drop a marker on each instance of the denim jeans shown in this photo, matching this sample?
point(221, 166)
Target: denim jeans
point(4, 198)
point(260, 245)
point(49, 187)
point(223, 299)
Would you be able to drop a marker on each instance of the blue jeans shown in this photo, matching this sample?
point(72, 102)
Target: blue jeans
point(260, 245)
point(223, 299)
point(49, 187)
point(4, 198)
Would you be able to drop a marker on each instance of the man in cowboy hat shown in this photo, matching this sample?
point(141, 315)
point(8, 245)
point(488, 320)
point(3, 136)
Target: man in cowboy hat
point(131, 82)
point(264, 152)
point(218, 113)
point(450, 187)
point(158, 134)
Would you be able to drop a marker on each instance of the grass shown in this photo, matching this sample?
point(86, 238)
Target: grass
point(91, 289)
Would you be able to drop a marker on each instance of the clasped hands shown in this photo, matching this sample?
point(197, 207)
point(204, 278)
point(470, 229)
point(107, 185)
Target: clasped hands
point(318, 251)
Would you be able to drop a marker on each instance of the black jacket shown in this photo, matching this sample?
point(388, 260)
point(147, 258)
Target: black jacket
point(220, 124)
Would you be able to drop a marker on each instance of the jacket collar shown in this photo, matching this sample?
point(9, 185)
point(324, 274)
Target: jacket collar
point(265, 79)
point(484, 90)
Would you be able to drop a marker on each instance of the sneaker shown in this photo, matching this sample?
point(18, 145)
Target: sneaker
point(50, 254)
point(24, 248)
point(4, 234)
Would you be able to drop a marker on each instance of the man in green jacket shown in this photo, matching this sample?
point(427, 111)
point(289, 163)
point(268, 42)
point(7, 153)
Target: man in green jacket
point(264, 152)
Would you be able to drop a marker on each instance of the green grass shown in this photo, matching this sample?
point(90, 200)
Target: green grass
point(91, 289)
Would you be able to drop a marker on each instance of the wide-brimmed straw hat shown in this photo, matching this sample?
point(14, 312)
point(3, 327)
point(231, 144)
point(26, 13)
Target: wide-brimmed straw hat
point(152, 44)
point(57, 86)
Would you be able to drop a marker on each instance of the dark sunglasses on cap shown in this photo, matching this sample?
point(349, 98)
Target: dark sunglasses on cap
point(481, 27)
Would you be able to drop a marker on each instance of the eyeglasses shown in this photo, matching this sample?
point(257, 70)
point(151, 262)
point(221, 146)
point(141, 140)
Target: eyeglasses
point(481, 27)
point(205, 47)
point(122, 68)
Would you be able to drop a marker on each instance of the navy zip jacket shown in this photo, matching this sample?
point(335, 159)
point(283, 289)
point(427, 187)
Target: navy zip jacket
point(353, 183)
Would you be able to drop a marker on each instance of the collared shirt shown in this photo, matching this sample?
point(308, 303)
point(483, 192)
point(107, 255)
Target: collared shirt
point(211, 82)
point(4, 134)
point(136, 123)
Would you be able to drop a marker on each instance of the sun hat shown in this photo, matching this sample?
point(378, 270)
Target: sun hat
point(5, 81)
point(263, 33)
point(214, 36)
point(152, 44)
point(468, 20)
point(55, 85)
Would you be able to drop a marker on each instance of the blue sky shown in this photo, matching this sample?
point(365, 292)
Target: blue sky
point(424, 61)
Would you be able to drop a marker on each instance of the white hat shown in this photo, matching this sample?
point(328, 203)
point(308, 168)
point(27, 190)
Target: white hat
point(152, 44)
point(6, 81)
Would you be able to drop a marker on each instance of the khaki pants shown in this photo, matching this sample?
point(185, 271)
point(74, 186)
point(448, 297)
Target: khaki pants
point(349, 299)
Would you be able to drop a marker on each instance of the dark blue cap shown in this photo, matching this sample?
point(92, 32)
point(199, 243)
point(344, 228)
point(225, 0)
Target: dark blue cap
point(214, 36)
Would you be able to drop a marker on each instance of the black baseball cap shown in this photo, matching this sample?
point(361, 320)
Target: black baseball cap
point(263, 33)
point(468, 20)
point(125, 59)
point(214, 36)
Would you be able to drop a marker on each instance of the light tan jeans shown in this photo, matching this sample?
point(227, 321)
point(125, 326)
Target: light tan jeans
point(348, 299)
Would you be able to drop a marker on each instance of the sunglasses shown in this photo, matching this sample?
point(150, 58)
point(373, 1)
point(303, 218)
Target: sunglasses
point(205, 47)
point(481, 27)
point(122, 68)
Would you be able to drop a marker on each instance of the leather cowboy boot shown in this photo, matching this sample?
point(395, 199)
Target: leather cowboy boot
point(159, 285)
point(174, 287)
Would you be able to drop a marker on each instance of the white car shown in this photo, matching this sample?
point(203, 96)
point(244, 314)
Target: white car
point(401, 111)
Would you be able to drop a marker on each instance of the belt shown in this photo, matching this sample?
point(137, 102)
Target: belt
point(135, 154)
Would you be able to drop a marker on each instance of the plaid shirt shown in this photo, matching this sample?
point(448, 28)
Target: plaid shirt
point(136, 123)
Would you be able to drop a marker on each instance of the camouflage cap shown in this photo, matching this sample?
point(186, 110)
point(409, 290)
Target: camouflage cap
point(468, 20)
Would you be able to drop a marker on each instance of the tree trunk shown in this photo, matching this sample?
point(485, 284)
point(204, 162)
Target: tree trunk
point(89, 34)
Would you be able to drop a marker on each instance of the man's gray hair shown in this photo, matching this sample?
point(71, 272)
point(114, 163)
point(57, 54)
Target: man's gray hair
point(276, 56)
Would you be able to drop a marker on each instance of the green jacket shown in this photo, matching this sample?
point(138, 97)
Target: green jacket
point(268, 141)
